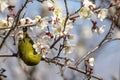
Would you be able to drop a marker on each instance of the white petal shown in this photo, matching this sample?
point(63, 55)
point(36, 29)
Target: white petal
point(91, 61)
point(3, 6)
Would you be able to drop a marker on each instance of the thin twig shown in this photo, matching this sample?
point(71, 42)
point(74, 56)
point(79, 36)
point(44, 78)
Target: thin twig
point(8, 55)
point(67, 14)
point(54, 61)
point(15, 23)
point(55, 42)
point(64, 38)
point(97, 47)
point(48, 60)
point(62, 73)
point(60, 50)
point(75, 12)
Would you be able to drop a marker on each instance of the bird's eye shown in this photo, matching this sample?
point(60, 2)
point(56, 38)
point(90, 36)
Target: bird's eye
point(24, 29)
point(20, 39)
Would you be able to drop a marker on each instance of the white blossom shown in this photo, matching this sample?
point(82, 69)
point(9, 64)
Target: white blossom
point(88, 4)
point(50, 4)
point(101, 30)
point(37, 48)
point(28, 20)
point(68, 48)
point(41, 47)
point(10, 21)
point(22, 21)
point(85, 12)
point(102, 14)
point(37, 18)
point(91, 61)
point(43, 23)
point(57, 30)
point(57, 12)
point(68, 27)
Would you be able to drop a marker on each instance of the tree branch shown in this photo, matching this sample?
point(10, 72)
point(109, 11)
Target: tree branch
point(48, 60)
point(54, 61)
point(21, 26)
point(15, 23)
point(97, 47)
point(55, 42)
point(67, 14)
point(8, 55)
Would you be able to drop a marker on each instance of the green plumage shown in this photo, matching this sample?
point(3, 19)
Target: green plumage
point(26, 50)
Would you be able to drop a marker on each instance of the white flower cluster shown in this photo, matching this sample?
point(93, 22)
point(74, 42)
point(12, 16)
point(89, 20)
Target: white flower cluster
point(91, 61)
point(68, 48)
point(102, 14)
point(56, 25)
point(88, 10)
point(41, 48)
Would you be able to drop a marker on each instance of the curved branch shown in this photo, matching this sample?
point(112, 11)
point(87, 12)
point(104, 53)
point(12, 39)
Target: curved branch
point(48, 60)
point(54, 61)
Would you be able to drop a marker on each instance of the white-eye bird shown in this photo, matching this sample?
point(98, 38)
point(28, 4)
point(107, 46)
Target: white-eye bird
point(26, 51)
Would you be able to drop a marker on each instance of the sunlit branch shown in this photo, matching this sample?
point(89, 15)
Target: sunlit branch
point(54, 61)
point(48, 60)
point(55, 42)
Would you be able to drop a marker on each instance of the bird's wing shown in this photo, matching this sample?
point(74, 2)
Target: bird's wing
point(31, 41)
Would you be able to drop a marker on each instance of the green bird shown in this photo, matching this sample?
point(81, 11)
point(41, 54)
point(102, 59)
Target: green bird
point(26, 51)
